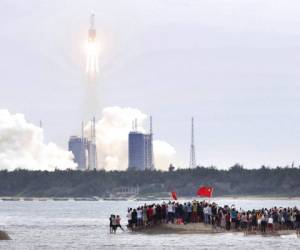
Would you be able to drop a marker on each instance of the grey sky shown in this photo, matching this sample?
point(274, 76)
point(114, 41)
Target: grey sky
point(234, 65)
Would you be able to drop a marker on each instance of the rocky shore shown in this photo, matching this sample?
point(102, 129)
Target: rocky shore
point(200, 228)
point(4, 236)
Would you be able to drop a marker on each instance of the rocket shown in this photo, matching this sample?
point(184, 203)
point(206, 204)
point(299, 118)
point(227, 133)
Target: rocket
point(92, 49)
point(92, 30)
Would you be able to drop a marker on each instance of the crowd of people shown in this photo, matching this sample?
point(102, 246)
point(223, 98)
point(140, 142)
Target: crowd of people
point(224, 217)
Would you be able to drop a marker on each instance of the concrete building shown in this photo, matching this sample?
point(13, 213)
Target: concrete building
point(140, 151)
point(77, 146)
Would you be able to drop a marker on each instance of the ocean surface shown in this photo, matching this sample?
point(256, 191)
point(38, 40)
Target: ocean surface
point(84, 225)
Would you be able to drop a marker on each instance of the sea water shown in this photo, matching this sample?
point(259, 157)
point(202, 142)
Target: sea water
point(85, 225)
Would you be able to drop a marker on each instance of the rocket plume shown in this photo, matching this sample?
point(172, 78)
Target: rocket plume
point(22, 146)
point(112, 139)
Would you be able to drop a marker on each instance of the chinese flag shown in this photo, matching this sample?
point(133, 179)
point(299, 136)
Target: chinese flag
point(205, 191)
point(174, 195)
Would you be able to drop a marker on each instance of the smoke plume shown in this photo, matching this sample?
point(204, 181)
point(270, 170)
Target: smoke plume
point(112, 139)
point(22, 146)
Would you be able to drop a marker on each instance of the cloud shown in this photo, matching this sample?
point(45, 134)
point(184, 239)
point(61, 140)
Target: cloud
point(22, 143)
point(112, 139)
point(164, 153)
point(22, 146)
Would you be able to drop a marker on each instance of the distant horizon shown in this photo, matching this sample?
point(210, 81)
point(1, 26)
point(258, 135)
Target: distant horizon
point(230, 168)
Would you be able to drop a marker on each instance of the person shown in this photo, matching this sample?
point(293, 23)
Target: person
point(129, 217)
point(150, 215)
point(134, 218)
point(297, 223)
point(223, 220)
point(233, 215)
point(258, 219)
point(189, 211)
point(244, 222)
point(114, 224)
point(209, 213)
point(118, 223)
point(170, 212)
point(110, 224)
point(145, 217)
point(263, 223)
point(253, 221)
point(164, 212)
point(270, 224)
point(238, 221)
point(205, 211)
point(194, 211)
point(139, 217)
point(228, 221)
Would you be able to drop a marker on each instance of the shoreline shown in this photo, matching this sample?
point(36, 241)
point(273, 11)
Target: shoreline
point(144, 199)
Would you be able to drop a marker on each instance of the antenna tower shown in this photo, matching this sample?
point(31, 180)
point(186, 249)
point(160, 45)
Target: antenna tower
point(82, 130)
point(151, 144)
point(94, 130)
point(94, 142)
point(192, 149)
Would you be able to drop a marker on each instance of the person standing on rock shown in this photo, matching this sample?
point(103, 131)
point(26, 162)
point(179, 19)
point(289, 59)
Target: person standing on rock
point(110, 224)
point(297, 222)
point(270, 223)
point(263, 223)
point(228, 221)
point(114, 224)
point(118, 223)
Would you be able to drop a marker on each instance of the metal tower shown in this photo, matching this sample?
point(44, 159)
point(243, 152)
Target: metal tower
point(192, 149)
point(93, 130)
point(151, 145)
point(92, 149)
point(94, 142)
point(82, 130)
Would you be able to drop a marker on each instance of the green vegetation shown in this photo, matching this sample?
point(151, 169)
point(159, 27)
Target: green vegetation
point(235, 181)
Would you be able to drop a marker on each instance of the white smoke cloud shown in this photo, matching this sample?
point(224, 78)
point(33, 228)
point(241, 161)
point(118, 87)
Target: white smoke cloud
point(22, 146)
point(112, 139)
point(164, 153)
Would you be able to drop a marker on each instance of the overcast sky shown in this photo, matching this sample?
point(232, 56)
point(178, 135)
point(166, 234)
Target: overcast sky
point(233, 65)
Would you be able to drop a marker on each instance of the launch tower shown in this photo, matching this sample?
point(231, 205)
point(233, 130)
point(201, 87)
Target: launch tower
point(192, 148)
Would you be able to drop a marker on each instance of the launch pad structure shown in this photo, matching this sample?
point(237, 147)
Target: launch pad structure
point(84, 149)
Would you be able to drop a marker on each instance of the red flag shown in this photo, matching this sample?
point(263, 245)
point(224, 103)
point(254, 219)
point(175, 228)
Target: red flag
point(174, 195)
point(205, 191)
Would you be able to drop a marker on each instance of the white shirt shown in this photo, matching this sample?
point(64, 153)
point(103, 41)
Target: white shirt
point(139, 214)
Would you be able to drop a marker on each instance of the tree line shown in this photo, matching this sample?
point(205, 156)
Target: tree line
point(280, 181)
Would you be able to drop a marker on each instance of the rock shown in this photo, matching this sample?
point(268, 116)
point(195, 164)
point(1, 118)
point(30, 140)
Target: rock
point(4, 236)
point(201, 228)
point(191, 228)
